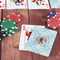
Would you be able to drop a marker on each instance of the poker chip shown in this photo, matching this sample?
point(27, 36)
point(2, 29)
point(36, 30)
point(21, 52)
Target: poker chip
point(2, 34)
point(54, 22)
point(13, 16)
point(9, 27)
point(51, 14)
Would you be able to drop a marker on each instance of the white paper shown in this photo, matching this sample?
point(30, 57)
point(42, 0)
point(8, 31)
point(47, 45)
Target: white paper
point(2, 4)
point(33, 5)
point(13, 5)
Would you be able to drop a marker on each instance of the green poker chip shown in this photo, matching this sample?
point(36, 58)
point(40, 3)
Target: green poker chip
point(9, 27)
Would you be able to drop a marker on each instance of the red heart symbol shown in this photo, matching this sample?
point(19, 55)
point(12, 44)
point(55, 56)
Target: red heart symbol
point(22, 4)
point(0, 2)
point(0, 6)
point(43, 4)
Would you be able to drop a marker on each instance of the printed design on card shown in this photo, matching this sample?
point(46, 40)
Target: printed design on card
point(2, 4)
point(41, 40)
point(28, 33)
point(38, 2)
point(16, 4)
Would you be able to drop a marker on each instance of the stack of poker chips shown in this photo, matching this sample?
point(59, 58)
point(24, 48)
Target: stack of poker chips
point(8, 26)
point(2, 33)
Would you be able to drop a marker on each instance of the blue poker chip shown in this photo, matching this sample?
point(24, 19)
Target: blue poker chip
point(51, 14)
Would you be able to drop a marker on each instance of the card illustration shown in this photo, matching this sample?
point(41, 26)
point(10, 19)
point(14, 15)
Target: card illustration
point(26, 31)
point(38, 4)
point(2, 4)
point(16, 4)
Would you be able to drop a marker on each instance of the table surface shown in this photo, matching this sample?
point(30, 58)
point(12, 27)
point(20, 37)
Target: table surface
point(10, 45)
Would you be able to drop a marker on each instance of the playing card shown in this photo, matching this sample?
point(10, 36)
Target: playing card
point(55, 3)
point(41, 41)
point(2, 4)
point(26, 31)
point(38, 4)
point(16, 4)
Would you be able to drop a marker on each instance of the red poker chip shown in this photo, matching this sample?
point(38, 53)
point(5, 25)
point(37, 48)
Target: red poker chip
point(15, 17)
point(54, 22)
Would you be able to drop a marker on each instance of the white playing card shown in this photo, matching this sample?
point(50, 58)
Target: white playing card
point(26, 31)
point(38, 4)
point(41, 41)
point(2, 4)
point(16, 4)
